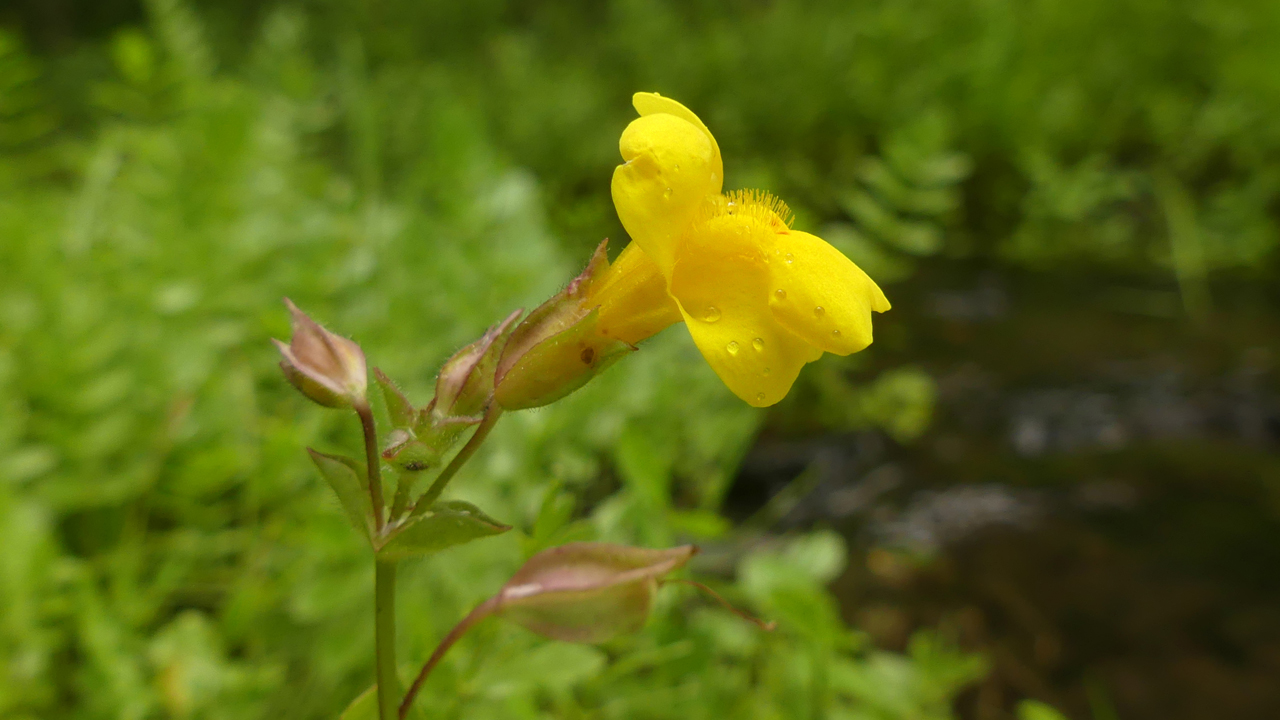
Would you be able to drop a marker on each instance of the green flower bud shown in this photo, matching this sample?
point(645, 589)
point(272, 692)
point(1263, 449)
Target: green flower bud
point(559, 347)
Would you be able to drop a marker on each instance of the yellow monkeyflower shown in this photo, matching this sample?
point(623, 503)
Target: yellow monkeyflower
point(759, 298)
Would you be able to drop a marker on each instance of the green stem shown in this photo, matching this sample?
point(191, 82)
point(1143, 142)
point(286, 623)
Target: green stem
point(482, 611)
point(404, 484)
point(384, 614)
point(374, 463)
point(477, 439)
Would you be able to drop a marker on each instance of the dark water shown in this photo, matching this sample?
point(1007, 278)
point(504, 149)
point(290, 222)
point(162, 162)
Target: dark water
point(1096, 504)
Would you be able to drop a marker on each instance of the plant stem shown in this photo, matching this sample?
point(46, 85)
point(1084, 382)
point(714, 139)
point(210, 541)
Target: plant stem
point(477, 439)
point(374, 464)
point(384, 615)
point(482, 611)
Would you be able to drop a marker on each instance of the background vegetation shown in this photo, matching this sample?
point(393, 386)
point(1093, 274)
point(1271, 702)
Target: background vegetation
point(1073, 206)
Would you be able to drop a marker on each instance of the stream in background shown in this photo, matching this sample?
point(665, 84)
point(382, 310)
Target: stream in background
point(1095, 505)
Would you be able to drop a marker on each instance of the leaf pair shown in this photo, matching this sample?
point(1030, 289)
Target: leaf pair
point(443, 525)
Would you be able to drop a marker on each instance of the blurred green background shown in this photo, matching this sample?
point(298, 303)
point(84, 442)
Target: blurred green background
point(1054, 476)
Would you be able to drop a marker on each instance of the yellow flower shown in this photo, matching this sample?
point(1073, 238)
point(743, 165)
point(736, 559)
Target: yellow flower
point(759, 298)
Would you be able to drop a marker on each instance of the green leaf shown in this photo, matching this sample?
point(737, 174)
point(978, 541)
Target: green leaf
point(1033, 710)
point(346, 477)
point(399, 409)
point(446, 524)
point(364, 707)
point(554, 666)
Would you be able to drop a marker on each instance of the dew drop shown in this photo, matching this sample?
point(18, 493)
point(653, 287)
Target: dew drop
point(768, 370)
point(711, 314)
point(835, 333)
point(758, 344)
point(789, 258)
point(666, 194)
point(759, 397)
point(732, 347)
point(819, 311)
point(780, 294)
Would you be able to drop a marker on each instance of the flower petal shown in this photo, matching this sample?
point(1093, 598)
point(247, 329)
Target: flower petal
point(820, 295)
point(721, 280)
point(667, 175)
point(652, 103)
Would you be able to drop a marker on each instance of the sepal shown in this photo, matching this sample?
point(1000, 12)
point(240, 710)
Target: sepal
point(558, 348)
point(587, 592)
point(465, 384)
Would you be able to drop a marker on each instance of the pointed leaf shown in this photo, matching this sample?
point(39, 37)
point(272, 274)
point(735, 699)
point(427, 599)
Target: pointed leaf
point(364, 707)
point(399, 408)
point(446, 524)
point(347, 478)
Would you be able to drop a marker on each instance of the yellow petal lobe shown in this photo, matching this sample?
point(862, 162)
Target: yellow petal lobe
point(721, 280)
point(647, 103)
point(666, 176)
point(820, 295)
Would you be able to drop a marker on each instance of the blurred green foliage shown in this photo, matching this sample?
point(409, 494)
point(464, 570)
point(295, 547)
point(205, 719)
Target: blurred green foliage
point(409, 172)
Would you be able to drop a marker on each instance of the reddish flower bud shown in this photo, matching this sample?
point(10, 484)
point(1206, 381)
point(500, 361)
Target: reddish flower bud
point(587, 592)
point(327, 368)
point(465, 384)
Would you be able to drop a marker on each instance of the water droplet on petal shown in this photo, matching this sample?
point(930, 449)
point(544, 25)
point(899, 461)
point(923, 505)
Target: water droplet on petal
point(758, 344)
point(732, 347)
point(711, 314)
point(768, 370)
point(789, 258)
point(780, 294)
point(759, 397)
point(666, 194)
point(835, 333)
point(819, 311)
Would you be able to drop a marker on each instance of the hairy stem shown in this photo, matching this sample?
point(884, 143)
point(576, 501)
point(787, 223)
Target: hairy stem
point(384, 616)
point(373, 461)
point(479, 613)
point(477, 439)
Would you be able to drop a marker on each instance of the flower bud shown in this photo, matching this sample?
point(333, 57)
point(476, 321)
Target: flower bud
point(580, 592)
point(465, 384)
point(587, 592)
point(464, 390)
point(559, 347)
point(327, 368)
